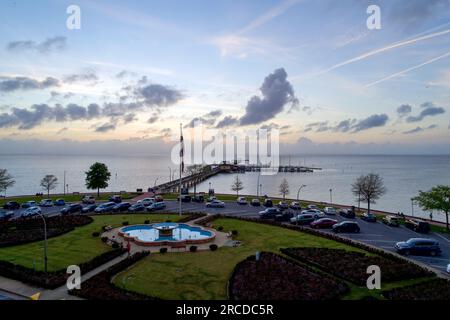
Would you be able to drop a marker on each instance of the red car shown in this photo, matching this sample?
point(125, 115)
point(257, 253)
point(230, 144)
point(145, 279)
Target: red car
point(323, 223)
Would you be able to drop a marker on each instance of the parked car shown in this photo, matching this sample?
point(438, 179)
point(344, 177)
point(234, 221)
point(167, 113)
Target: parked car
point(369, 217)
point(156, 206)
point(391, 221)
point(313, 207)
point(88, 200)
point(295, 205)
point(116, 199)
point(303, 219)
point(241, 201)
point(317, 214)
point(46, 203)
point(89, 208)
point(59, 202)
point(184, 198)
point(330, 211)
point(31, 212)
point(268, 203)
point(418, 246)
point(198, 198)
point(283, 205)
point(11, 205)
point(269, 213)
point(215, 204)
point(324, 223)
point(346, 227)
point(138, 207)
point(120, 207)
point(255, 202)
point(147, 201)
point(448, 268)
point(72, 208)
point(347, 213)
point(159, 198)
point(284, 217)
point(5, 215)
point(417, 225)
point(29, 204)
point(105, 207)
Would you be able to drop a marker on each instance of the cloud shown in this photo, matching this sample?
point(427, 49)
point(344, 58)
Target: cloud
point(376, 120)
point(105, 127)
point(62, 130)
point(429, 110)
point(10, 84)
point(208, 119)
point(153, 119)
point(158, 95)
point(349, 125)
point(227, 121)
point(57, 43)
point(276, 92)
point(404, 110)
point(420, 129)
point(125, 73)
point(88, 75)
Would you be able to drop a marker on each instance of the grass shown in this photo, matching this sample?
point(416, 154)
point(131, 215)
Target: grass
point(76, 246)
point(67, 198)
point(204, 275)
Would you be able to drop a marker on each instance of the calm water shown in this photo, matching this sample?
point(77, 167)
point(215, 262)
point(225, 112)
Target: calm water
point(403, 176)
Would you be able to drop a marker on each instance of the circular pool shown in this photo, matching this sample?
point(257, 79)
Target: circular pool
point(167, 233)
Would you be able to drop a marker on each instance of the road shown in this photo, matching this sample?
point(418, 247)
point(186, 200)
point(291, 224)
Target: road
point(376, 234)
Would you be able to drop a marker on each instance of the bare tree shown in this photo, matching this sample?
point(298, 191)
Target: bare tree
point(237, 185)
point(49, 182)
point(6, 180)
point(284, 188)
point(369, 188)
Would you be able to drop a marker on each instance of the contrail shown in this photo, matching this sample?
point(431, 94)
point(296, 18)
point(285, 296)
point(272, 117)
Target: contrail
point(389, 47)
point(408, 70)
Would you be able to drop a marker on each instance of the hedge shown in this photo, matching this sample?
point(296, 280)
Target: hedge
point(437, 289)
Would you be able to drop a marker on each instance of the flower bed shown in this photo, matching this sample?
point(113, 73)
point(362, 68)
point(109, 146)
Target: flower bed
point(23, 231)
point(55, 279)
point(274, 277)
point(100, 287)
point(438, 289)
point(352, 266)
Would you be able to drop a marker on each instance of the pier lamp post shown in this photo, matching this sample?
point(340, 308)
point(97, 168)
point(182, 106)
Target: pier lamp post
point(257, 186)
point(154, 185)
point(331, 196)
point(170, 173)
point(298, 192)
point(260, 188)
point(45, 242)
point(412, 207)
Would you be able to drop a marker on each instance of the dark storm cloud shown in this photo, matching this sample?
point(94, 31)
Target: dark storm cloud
point(376, 120)
point(276, 92)
point(228, 121)
point(10, 84)
point(429, 110)
point(404, 110)
point(50, 44)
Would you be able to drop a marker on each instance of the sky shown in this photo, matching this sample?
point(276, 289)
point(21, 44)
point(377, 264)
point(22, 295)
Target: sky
point(314, 70)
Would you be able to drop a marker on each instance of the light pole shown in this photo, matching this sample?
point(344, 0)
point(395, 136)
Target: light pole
point(298, 192)
point(45, 242)
point(331, 196)
point(170, 173)
point(154, 185)
point(257, 187)
point(412, 207)
point(260, 188)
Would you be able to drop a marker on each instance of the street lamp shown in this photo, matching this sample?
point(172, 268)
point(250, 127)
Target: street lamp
point(331, 196)
point(173, 174)
point(298, 192)
point(170, 173)
point(412, 207)
point(257, 186)
point(154, 185)
point(45, 242)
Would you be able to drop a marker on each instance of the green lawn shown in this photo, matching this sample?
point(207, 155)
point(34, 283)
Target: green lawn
point(67, 198)
point(76, 246)
point(204, 275)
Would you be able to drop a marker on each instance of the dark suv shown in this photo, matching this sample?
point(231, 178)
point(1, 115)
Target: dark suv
point(418, 226)
point(418, 246)
point(346, 227)
point(11, 205)
point(72, 208)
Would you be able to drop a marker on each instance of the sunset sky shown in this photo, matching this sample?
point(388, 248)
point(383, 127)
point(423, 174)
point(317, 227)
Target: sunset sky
point(312, 69)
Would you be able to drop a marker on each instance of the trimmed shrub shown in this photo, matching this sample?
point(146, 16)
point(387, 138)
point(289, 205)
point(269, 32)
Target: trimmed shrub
point(213, 247)
point(234, 232)
point(193, 248)
point(115, 245)
point(147, 222)
point(125, 223)
point(219, 228)
point(96, 234)
point(104, 239)
point(163, 250)
point(437, 289)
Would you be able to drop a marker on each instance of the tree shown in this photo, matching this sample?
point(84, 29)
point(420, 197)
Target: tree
point(49, 182)
point(284, 188)
point(97, 177)
point(438, 198)
point(237, 185)
point(369, 188)
point(6, 180)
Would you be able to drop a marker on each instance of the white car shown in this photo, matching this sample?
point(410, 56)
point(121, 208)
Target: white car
point(147, 201)
point(88, 200)
point(46, 203)
point(317, 214)
point(313, 207)
point(31, 212)
point(241, 200)
point(330, 211)
point(215, 204)
point(156, 206)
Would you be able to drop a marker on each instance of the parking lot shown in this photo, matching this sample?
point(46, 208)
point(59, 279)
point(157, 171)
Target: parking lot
point(373, 233)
